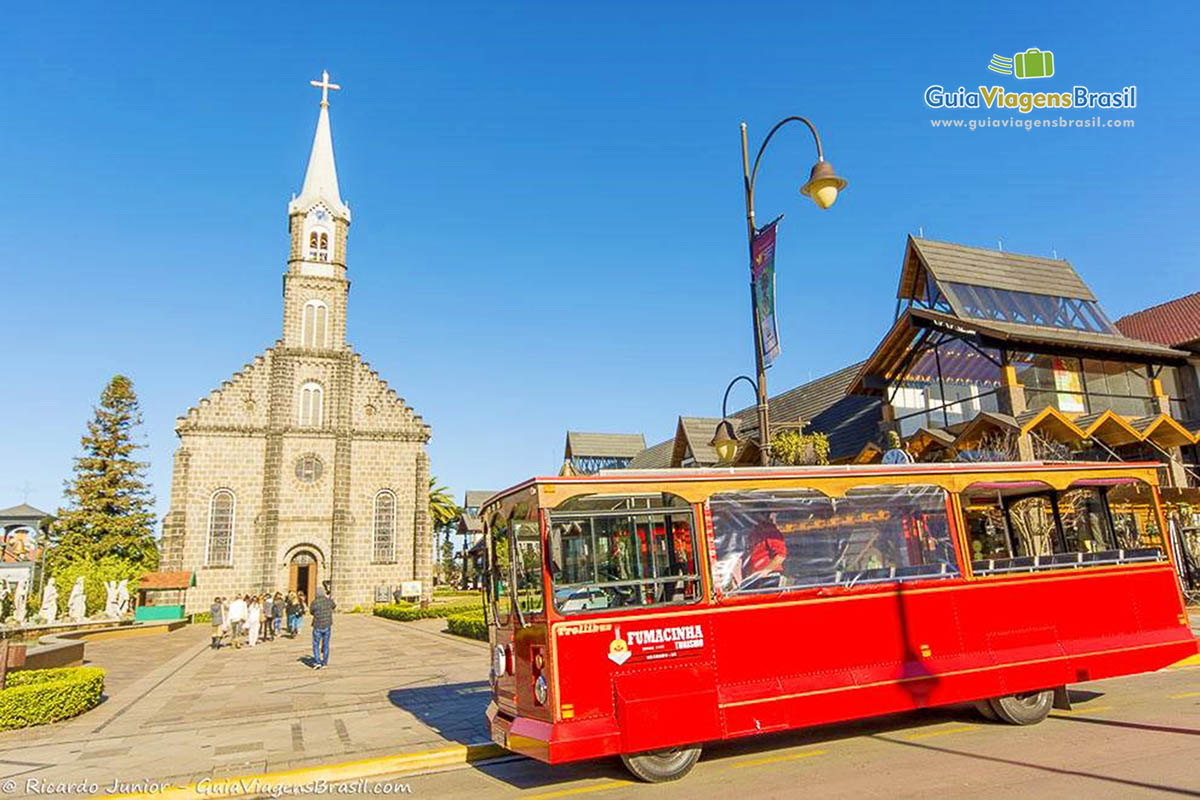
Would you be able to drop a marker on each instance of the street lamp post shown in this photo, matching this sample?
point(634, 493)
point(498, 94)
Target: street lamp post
point(822, 186)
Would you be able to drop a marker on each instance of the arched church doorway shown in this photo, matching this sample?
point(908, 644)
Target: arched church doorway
point(302, 574)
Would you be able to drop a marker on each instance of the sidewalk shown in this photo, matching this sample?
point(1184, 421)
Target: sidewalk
point(179, 712)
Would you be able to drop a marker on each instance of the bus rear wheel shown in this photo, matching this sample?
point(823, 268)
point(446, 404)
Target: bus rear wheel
point(1027, 708)
point(660, 766)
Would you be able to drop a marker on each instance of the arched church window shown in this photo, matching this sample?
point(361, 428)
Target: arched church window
point(385, 527)
point(311, 397)
point(219, 548)
point(315, 323)
point(313, 241)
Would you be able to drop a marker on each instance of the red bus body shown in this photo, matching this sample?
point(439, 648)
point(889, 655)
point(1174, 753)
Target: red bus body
point(732, 666)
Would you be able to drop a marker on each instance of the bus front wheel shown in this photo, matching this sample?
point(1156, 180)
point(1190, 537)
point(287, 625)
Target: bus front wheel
point(660, 766)
point(1027, 708)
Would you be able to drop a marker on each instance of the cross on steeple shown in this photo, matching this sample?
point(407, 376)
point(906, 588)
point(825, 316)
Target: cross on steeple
point(324, 85)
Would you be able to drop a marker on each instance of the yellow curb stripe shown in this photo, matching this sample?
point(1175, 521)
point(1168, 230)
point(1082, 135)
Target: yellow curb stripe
point(1190, 661)
point(758, 762)
point(598, 787)
point(1183, 696)
point(927, 734)
point(403, 763)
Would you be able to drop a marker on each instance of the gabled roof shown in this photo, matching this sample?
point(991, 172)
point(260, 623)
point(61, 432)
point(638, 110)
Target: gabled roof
point(656, 456)
point(603, 445)
point(694, 434)
point(474, 498)
point(1173, 323)
point(956, 263)
point(22, 511)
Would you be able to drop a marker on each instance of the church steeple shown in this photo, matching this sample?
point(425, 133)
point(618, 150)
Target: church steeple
point(320, 179)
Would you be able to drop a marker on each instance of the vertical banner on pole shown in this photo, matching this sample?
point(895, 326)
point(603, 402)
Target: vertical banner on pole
point(762, 272)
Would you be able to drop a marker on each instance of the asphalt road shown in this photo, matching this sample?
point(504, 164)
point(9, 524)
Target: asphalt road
point(1129, 737)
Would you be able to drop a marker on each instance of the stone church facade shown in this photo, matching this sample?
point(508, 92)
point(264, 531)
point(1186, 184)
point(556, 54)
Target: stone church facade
point(304, 467)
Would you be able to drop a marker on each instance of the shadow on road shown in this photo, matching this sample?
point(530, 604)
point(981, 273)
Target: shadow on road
point(454, 710)
point(1159, 787)
point(1139, 726)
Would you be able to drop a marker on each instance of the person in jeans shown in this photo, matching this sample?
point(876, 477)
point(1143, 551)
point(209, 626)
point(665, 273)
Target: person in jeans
point(237, 618)
point(217, 612)
point(322, 613)
point(277, 612)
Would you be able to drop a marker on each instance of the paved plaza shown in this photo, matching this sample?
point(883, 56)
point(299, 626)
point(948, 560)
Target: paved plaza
point(178, 711)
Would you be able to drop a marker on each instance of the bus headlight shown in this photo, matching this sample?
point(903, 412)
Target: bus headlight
point(540, 690)
point(499, 661)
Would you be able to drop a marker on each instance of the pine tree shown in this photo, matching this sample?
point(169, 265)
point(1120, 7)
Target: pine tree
point(109, 504)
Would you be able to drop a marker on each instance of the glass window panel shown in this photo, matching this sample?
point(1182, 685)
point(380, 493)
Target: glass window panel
point(1084, 521)
point(1033, 527)
point(529, 565)
point(604, 556)
point(783, 539)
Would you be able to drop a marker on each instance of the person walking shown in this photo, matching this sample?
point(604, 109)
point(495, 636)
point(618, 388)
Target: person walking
point(277, 612)
point(253, 621)
point(237, 619)
point(322, 613)
point(290, 606)
point(301, 610)
point(217, 613)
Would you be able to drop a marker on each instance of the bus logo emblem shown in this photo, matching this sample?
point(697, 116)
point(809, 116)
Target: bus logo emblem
point(618, 650)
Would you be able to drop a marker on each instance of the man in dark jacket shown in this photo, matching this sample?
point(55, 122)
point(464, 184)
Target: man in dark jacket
point(322, 614)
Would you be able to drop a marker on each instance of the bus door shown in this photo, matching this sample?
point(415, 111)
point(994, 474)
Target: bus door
point(520, 660)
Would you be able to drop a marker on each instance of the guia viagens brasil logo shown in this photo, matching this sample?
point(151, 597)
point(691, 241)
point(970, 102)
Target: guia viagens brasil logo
point(1026, 65)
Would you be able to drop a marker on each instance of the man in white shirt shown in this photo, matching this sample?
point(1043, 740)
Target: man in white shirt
point(237, 620)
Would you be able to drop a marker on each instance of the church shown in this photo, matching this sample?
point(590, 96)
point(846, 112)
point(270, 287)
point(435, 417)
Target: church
point(304, 468)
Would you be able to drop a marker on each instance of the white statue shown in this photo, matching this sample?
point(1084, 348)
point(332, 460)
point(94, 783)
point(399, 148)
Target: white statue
point(49, 610)
point(123, 597)
point(21, 602)
point(77, 602)
point(110, 603)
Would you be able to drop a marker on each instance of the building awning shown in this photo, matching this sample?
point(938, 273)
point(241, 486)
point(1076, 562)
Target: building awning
point(166, 580)
point(1108, 428)
point(891, 359)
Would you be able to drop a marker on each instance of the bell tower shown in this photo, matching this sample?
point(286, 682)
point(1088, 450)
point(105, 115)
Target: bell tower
point(315, 285)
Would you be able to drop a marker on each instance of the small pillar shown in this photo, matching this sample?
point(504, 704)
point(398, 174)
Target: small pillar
point(1011, 397)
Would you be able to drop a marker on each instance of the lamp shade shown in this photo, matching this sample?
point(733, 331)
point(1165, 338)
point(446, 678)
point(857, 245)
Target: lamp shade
point(725, 442)
point(823, 184)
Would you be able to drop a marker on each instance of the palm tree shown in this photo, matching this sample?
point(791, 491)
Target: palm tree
point(442, 508)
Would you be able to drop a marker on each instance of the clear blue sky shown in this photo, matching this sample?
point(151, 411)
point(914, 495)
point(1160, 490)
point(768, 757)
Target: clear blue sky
point(548, 224)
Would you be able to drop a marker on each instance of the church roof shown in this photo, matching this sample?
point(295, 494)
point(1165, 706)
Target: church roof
point(23, 511)
point(320, 179)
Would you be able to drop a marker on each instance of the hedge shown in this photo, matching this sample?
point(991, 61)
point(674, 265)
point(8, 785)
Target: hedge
point(470, 625)
point(407, 612)
point(202, 617)
point(39, 696)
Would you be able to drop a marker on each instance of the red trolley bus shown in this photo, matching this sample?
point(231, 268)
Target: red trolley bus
point(642, 614)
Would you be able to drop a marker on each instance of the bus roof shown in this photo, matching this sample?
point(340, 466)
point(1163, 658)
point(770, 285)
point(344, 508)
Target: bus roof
point(701, 474)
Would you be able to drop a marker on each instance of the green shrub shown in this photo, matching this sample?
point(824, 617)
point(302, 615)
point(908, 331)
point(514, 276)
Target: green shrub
point(470, 625)
point(203, 617)
point(39, 696)
point(407, 612)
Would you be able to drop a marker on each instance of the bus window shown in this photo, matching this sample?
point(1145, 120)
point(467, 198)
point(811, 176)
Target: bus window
point(1085, 521)
point(795, 538)
point(529, 566)
point(500, 571)
point(1026, 526)
point(1135, 518)
point(613, 552)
